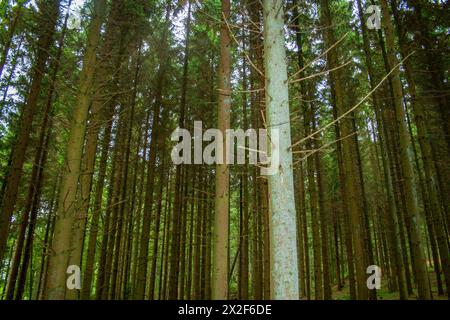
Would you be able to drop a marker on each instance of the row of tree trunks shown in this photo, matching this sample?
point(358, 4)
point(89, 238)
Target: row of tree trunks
point(48, 16)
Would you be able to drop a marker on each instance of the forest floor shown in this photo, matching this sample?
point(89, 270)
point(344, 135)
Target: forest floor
point(385, 294)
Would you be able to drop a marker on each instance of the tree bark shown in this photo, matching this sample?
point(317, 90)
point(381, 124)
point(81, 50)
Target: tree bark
point(220, 235)
point(61, 244)
point(283, 233)
point(411, 213)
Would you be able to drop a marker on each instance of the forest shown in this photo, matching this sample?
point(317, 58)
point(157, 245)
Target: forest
point(319, 167)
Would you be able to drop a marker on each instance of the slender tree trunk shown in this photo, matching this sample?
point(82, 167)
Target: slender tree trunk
point(96, 211)
point(322, 183)
point(427, 159)
point(47, 240)
point(101, 113)
point(178, 208)
point(198, 235)
point(35, 187)
point(144, 241)
point(350, 191)
point(187, 179)
point(65, 219)
point(165, 259)
point(303, 254)
point(16, 15)
point(220, 236)
point(391, 226)
point(151, 293)
point(411, 213)
point(313, 205)
point(164, 244)
point(190, 270)
point(243, 253)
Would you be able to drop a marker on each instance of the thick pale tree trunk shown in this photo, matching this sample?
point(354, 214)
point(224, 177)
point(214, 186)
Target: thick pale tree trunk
point(283, 231)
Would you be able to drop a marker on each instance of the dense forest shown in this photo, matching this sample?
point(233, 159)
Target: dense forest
point(354, 99)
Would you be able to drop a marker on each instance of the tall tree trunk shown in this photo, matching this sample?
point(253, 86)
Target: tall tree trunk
point(47, 240)
point(100, 116)
point(35, 188)
point(243, 241)
point(322, 183)
point(220, 236)
point(313, 205)
point(144, 241)
point(61, 243)
point(177, 216)
point(283, 233)
point(151, 293)
point(350, 191)
point(198, 235)
point(96, 211)
point(391, 226)
point(190, 270)
point(411, 213)
point(16, 15)
point(427, 159)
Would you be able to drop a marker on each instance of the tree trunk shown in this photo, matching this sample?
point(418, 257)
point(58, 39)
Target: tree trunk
point(411, 213)
point(144, 241)
point(17, 14)
point(427, 159)
point(220, 235)
point(61, 244)
point(283, 233)
point(178, 207)
point(350, 191)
